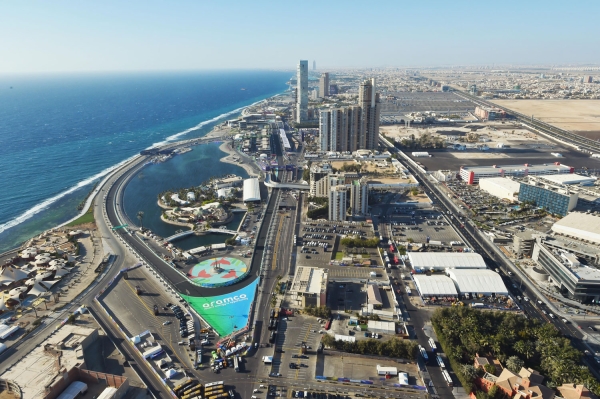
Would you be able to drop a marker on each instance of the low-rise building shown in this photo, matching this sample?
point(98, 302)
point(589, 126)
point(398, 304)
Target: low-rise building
point(309, 286)
point(581, 226)
point(472, 174)
point(500, 187)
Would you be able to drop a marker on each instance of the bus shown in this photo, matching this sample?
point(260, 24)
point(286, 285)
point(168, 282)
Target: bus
point(214, 392)
point(219, 396)
point(193, 393)
point(181, 387)
point(157, 354)
point(213, 384)
point(236, 364)
point(191, 388)
point(212, 389)
point(431, 343)
point(447, 378)
point(440, 362)
point(423, 352)
point(328, 325)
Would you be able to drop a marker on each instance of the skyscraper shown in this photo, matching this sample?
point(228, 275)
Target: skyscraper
point(337, 203)
point(324, 85)
point(302, 92)
point(339, 129)
point(368, 100)
point(359, 197)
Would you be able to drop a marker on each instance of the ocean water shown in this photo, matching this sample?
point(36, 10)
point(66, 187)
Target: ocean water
point(61, 133)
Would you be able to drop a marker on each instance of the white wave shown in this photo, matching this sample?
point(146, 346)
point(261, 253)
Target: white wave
point(202, 124)
point(45, 204)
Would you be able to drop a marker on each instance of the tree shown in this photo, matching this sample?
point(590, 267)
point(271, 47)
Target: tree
point(328, 341)
point(490, 368)
point(514, 364)
point(140, 216)
point(469, 371)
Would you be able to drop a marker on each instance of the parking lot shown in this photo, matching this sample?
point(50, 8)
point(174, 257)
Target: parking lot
point(422, 225)
point(291, 360)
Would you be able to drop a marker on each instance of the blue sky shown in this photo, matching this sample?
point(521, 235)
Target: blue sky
point(43, 36)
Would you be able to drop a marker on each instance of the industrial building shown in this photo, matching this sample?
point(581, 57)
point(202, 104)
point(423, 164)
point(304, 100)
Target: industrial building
point(251, 190)
point(581, 226)
point(381, 327)
point(309, 286)
point(573, 279)
point(436, 285)
point(554, 199)
point(500, 187)
point(472, 174)
point(439, 261)
point(478, 282)
point(56, 368)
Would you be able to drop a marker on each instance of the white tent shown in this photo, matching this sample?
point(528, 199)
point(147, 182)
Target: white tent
point(37, 290)
point(171, 372)
point(12, 274)
point(48, 284)
point(61, 272)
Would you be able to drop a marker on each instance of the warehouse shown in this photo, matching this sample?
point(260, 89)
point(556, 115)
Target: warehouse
point(472, 174)
point(440, 261)
point(500, 187)
point(435, 286)
point(581, 226)
point(475, 282)
point(251, 190)
point(381, 327)
point(373, 295)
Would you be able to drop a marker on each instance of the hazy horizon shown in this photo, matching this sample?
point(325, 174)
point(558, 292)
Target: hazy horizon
point(152, 36)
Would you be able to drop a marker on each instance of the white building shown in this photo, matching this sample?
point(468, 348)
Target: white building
point(381, 327)
point(337, 203)
point(480, 281)
point(437, 261)
point(472, 174)
point(568, 179)
point(251, 190)
point(500, 187)
point(359, 197)
point(435, 285)
point(581, 226)
point(302, 92)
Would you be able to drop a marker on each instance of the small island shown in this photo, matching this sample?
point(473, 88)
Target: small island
point(205, 206)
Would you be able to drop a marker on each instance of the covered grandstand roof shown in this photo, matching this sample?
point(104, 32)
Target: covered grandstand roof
point(373, 295)
point(251, 190)
point(478, 281)
point(435, 285)
point(445, 260)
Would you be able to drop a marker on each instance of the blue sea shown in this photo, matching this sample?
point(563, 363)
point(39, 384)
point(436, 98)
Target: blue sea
point(59, 134)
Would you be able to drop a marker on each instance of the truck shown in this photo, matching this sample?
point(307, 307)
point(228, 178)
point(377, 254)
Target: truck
point(138, 290)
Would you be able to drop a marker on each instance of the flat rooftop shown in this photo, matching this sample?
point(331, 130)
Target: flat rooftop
point(446, 260)
point(580, 225)
point(309, 280)
point(518, 168)
point(569, 178)
point(503, 182)
point(39, 368)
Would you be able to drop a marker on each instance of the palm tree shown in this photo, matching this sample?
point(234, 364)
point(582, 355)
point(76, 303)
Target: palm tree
point(140, 216)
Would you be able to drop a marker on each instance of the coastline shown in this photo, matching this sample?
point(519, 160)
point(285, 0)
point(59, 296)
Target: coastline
point(231, 153)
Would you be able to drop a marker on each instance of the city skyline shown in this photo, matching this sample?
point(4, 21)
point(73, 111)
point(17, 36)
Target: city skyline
point(74, 37)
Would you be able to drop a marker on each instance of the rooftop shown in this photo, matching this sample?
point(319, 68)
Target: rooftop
point(435, 285)
point(503, 182)
point(569, 178)
point(580, 225)
point(478, 281)
point(309, 280)
point(40, 367)
point(522, 167)
point(445, 260)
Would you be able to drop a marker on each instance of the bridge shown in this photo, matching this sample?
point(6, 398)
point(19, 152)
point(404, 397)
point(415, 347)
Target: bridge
point(296, 186)
point(222, 231)
point(179, 235)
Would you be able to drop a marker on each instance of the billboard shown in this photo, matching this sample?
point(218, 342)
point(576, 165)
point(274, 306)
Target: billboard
point(225, 313)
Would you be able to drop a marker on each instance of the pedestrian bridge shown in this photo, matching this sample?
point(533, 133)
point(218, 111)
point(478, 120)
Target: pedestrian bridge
point(222, 231)
point(296, 186)
point(179, 235)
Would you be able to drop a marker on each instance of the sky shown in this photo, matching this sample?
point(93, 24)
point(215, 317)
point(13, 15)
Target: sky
point(149, 35)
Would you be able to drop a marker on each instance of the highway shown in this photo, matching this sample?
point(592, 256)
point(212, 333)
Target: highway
point(517, 284)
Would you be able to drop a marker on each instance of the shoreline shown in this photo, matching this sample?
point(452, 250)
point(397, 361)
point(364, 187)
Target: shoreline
point(249, 168)
point(218, 131)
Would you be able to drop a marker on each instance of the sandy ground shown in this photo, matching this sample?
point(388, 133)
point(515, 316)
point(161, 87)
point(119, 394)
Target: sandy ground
point(245, 161)
point(575, 115)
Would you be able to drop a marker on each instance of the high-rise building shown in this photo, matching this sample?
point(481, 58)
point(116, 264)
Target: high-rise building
point(337, 203)
point(359, 197)
point(339, 129)
point(302, 92)
point(314, 65)
point(368, 101)
point(324, 85)
point(588, 79)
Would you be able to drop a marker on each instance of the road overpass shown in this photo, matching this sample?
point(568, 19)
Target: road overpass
point(295, 186)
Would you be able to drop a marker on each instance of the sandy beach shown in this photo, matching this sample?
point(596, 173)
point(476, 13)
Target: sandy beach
point(251, 169)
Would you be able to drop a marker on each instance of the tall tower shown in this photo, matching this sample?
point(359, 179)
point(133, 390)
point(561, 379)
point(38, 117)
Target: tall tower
point(324, 85)
point(337, 203)
point(302, 92)
point(368, 100)
point(359, 197)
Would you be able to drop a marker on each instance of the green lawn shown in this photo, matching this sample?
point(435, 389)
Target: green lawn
point(339, 255)
point(87, 217)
